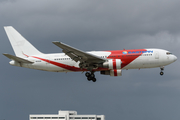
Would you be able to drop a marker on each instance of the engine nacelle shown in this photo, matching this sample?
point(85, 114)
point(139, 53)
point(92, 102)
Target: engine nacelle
point(112, 64)
point(112, 72)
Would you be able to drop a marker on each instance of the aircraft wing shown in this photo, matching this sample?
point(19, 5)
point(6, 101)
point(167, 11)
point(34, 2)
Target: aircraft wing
point(18, 59)
point(79, 55)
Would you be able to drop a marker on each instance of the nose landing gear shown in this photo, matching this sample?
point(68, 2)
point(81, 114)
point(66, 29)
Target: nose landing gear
point(90, 76)
point(162, 69)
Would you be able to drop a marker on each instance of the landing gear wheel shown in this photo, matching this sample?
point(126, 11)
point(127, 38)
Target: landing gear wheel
point(161, 73)
point(87, 74)
point(94, 79)
point(162, 69)
point(89, 78)
point(92, 75)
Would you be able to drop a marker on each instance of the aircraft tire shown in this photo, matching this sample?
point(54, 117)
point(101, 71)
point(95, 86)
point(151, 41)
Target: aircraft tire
point(94, 79)
point(92, 75)
point(87, 74)
point(161, 73)
point(89, 78)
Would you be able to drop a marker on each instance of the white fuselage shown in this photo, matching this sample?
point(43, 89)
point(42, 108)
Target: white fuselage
point(60, 62)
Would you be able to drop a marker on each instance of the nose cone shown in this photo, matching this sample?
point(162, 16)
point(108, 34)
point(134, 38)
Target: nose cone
point(175, 58)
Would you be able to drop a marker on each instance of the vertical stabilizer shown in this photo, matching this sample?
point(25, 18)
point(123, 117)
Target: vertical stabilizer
point(21, 46)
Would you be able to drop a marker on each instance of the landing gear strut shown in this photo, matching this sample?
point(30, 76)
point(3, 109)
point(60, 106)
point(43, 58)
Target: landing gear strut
point(90, 76)
point(162, 69)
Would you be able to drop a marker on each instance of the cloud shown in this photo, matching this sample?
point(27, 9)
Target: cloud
point(91, 25)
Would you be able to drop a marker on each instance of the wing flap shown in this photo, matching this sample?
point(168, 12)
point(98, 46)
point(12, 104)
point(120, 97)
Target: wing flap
point(71, 55)
point(18, 59)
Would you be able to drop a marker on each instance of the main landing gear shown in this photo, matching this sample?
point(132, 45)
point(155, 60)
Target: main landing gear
point(162, 69)
point(90, 76)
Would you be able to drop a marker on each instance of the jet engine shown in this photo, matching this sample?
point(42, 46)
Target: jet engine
point(114, 72)
point(112, 64)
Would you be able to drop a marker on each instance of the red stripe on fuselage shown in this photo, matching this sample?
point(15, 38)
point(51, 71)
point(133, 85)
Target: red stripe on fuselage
point(71, 68)
point(126, 56)
point(67, 67)
point(116, 54)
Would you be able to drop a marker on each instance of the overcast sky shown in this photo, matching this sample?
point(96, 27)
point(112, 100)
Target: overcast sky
point(92, 25)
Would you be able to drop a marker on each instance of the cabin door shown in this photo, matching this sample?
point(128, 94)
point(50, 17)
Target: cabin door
point(156, 55)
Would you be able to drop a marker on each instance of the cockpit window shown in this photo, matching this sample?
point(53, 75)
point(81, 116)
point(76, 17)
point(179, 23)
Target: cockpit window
point(168, 53)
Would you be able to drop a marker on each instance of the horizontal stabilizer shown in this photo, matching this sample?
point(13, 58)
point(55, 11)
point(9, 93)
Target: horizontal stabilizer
point(18, 59)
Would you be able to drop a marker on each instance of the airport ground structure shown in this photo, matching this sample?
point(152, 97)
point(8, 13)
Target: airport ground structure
point(66, 115)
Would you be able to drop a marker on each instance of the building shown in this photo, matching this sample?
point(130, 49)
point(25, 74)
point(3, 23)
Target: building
point(66, 115)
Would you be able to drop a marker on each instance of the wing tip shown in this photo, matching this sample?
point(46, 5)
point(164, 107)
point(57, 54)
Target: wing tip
point(57, 42)
point(7, 27)
point(5, 54)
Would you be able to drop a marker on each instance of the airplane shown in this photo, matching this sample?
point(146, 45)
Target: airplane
point(110, 62)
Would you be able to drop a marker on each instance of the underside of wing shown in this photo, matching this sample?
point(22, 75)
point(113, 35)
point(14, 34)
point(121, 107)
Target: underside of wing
point(18, 59)
point(79, 55)
point(87, 60)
